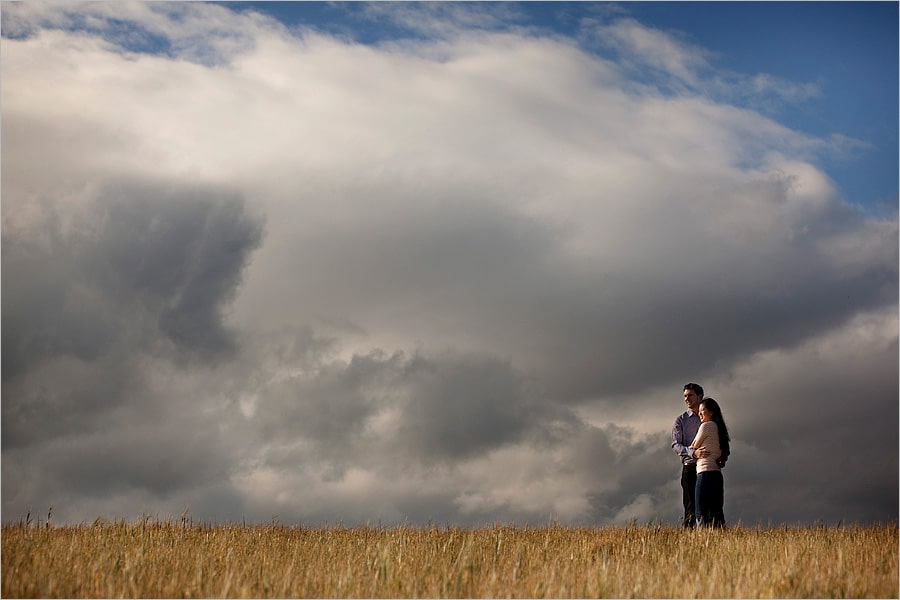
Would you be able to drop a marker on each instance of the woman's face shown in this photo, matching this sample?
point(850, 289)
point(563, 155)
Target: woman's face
point(705, 413)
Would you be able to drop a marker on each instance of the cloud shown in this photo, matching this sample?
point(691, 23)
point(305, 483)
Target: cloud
point(141, 271)
point(651, 47)
point(672, 62)
point(833, 384)
point(260, 271)
point(445, 20)
point(207, 34)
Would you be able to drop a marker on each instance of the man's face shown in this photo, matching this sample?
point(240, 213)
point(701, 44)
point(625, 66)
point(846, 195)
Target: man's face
point(692, 400)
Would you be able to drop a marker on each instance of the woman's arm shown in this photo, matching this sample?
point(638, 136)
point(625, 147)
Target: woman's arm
point(700, 437)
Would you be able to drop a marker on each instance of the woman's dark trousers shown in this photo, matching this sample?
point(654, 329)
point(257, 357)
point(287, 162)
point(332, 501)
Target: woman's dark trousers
point(710, 499)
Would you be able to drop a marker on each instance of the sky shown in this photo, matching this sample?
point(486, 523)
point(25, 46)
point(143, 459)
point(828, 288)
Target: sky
point(446, 263)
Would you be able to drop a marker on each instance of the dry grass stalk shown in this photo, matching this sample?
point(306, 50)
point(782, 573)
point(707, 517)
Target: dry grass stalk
point(174, 560)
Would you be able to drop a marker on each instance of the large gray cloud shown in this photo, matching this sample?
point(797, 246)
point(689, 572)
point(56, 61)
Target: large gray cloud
point(462, 280)
point(145, 270)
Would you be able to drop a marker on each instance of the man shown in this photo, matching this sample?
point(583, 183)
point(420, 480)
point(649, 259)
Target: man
point(686, 426)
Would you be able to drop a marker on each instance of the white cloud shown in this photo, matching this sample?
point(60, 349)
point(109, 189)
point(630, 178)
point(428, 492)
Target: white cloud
point(680, 65)
point(641, 510)
point(445, 19)
point(658, 49)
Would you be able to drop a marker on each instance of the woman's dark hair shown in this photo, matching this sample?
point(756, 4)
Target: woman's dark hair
point(724, 439)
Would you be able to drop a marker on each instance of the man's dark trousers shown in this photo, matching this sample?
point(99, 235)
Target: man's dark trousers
point(688, 485)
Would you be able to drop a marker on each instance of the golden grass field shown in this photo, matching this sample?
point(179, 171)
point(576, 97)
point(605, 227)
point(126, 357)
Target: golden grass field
point(174, 560)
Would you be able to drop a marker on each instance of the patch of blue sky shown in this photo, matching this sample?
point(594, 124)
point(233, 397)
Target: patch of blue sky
point(122, 33)
point(844, 53)
point(385, 22)
point(133, 39)
point(346, 20)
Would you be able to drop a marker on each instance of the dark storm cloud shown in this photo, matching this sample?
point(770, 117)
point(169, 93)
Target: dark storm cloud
point(443, 408)
point(589, 326)
point(695, 295)
point(619, 466)
point(178, 255)
point(164, 259)
point(332, 406)
point(161, 457)
point(64, 396)
point(420, 435)
point(147, 269)
point(463, 408)
point(812, 418)
point(155, 457)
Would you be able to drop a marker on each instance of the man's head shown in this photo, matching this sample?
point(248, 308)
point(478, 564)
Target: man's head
point(693, 394)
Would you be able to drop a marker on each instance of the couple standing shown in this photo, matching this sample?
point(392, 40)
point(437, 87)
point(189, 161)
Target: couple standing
point(700, 438)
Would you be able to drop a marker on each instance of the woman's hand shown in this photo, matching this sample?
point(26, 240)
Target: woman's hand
point(701, 452)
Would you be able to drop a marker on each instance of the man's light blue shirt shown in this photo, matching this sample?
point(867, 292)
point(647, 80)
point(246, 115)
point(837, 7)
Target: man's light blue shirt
point(683, 433)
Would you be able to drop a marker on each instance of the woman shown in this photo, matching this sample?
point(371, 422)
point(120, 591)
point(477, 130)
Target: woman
point(710, 491)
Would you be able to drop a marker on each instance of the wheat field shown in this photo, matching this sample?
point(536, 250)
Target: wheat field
point(172, 559)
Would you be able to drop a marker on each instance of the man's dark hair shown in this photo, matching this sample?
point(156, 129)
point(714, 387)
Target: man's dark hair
point(695, 387)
